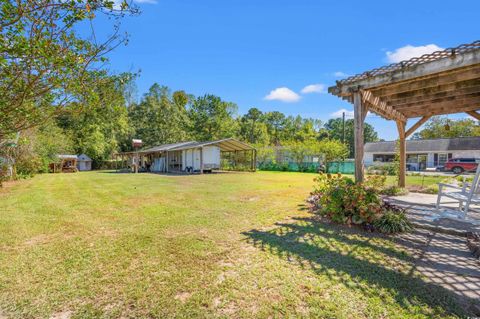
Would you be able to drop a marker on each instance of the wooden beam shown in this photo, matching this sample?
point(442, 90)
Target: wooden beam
point(167, 163)
point(450, 106)
point(377, 105)
point(432, 81)
point(403, 153)
point(408, 74)
point(426, 98)
point(474, 114)
point(416, 125)
point(447, 107)
point(358, 135)
point(429, 90)
point(201, 160)
point(467, 98)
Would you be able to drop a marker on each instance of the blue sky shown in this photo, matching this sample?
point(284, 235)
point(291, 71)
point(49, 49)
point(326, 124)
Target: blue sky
point(264, 53)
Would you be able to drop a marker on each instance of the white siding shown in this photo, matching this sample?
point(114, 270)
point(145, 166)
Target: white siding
point(368, 158)
point(191, 158)
point(211, 157)
point(84, 165)
point(475, 153)
point(430, 160)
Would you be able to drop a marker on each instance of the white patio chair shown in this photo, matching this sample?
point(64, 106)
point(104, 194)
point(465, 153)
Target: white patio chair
point(466, 195)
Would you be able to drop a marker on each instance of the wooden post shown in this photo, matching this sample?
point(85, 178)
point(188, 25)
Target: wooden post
point(167, 163)
point(201, 160)
point(359, 112)
point(254, 160)
point(403, 153)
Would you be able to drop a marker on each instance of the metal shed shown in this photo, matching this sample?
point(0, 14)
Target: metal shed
point(189, 157)
point(84, 163)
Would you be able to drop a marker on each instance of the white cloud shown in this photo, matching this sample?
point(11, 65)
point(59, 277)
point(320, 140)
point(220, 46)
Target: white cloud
point(410, 51)
point(339, 113)
point(340, 74)
point(283, 94)
point(348, 114)
point(146, 1)
point(314, 88)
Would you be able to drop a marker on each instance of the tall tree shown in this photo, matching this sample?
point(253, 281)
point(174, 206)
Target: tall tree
point(275, 124)
point(252, 129)
point(101, 125)
point(334, 128)
point(441, 126)
point(211, 118)
point(160, 117)
point(45, 59)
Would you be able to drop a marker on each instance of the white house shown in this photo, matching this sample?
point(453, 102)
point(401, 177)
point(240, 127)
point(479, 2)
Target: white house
point(84, 163)
point(423, 154)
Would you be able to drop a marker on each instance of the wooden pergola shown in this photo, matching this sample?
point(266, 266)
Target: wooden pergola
point(442, 82)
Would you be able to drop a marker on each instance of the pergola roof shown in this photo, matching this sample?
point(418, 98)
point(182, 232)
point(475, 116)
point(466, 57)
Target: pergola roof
point(442, 82)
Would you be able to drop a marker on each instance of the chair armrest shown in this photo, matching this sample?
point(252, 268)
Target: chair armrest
point(441, 185)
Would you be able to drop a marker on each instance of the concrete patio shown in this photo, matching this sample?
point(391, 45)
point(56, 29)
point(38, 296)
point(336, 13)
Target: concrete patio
point(439, 247)
point(421, 211)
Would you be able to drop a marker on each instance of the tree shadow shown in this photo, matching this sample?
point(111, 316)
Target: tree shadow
point(361, 262)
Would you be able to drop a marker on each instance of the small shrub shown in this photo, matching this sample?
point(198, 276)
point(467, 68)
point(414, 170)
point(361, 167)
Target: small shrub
point(376, 182)
point(340, 199)
point(393, 222)
point(343, 201)
point(384, 168)
point(394, 191)
point(430, 189)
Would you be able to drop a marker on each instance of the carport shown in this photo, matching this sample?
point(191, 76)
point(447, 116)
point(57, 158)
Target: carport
point(191, 156)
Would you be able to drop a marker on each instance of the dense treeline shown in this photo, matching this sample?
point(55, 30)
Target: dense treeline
point(107, 120)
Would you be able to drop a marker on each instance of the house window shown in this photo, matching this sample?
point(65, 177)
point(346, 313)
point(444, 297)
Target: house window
point(383, 157)
point(440, 159)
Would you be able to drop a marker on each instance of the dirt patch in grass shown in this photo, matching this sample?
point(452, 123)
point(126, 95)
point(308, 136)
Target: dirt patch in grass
point(183, 296)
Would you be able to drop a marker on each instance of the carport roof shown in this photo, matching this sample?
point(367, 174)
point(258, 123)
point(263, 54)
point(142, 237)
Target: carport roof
point(226, 145)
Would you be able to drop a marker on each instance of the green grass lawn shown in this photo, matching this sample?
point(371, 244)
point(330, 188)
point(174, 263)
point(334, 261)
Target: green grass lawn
point(241, 245)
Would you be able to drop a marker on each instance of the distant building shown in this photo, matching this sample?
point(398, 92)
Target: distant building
point(423, 154)
point(84, 163)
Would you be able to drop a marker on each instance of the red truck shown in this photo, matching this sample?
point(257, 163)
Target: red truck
point(462, 164)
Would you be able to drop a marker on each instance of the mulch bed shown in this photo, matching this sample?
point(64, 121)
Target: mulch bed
point(473, 243)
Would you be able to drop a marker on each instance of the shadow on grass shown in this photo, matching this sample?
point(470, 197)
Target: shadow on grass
point(360, 262)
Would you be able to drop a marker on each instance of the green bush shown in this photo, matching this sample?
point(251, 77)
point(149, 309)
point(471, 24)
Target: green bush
point(343, 201)
point(340, 199)
point(394, 191)
point(383, 168)
point(430, 189)
point(393, 222)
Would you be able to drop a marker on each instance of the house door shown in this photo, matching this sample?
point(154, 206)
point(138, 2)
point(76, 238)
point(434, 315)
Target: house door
point(422, 162)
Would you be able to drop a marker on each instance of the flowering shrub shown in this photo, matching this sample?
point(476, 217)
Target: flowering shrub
point(343, 201)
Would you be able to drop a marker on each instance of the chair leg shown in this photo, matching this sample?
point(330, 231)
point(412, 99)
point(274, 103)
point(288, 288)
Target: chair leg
point(465, 210)
point(438, 201)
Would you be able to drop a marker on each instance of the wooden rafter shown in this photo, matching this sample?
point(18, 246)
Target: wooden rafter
point(381, 107)
point(426, 98)
point(417, 125)
point(442, 110)
point(474, 114)
point(428, 90)
point(429, 82)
